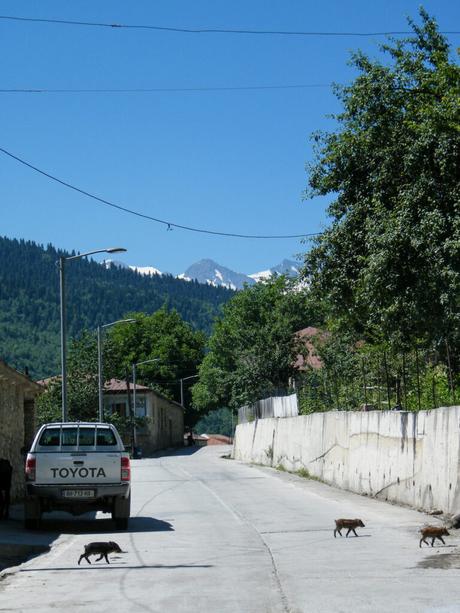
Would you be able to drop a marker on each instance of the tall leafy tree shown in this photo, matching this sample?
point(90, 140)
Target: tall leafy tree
point(253, 346)
point(389, 264)
point(165, 337)
point(82, 384)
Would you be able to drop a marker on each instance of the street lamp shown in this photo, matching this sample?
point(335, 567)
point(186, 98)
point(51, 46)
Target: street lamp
point(99, 362)
point(62, 260)
point(182, 387)
point(133, 415)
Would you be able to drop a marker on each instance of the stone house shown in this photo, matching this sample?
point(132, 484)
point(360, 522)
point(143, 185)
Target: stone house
point(165, 418)
point(17, 421)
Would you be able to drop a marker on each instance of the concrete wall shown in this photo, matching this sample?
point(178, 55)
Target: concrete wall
point(407, 458)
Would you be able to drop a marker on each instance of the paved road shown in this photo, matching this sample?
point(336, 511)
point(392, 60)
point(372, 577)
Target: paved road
point(210, 534)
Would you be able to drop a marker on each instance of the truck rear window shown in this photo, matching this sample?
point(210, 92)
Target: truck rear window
point(77, 437)
point(50, 437)
point(105, 437)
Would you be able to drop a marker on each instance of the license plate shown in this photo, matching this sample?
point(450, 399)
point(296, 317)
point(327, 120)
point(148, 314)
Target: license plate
point(78, 493)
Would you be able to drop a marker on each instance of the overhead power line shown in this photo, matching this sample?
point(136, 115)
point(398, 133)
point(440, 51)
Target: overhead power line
point(169, 224)
point(143, 90)
point(207, 30)
point(146, 90)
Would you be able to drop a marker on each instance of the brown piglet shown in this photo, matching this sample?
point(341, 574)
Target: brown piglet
point(351, 524)
point(433, 532)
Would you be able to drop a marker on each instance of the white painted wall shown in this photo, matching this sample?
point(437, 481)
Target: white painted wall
point(407, 458)
point(278, 406)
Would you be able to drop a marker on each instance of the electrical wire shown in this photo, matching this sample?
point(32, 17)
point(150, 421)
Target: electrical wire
point(170, 225)
point(142, 90)
point(207, 30)
point(187, 89)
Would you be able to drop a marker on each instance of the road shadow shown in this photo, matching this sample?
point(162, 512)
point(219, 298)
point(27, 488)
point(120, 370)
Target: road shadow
point(114, 566)
point(13, 554)
point(89, 524)
point(179, 451)
point(443, 561)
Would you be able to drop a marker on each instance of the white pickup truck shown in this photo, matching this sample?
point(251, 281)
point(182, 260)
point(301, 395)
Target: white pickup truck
point(78, 467)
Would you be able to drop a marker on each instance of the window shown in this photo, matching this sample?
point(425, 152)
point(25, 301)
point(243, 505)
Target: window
point(86, 437)
point(69, 437)
point(50, 437)
point(73, 436)
point(105, 437)
point(119, 408)
point(141, 407)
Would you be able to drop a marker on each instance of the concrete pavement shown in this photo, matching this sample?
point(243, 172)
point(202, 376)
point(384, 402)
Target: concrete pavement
point(212, 534)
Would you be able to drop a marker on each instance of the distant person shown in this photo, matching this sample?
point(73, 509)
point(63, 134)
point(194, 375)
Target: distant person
point(190, 439)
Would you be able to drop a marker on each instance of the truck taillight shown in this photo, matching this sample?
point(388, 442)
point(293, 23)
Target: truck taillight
point(125, 469)
point(31, 464)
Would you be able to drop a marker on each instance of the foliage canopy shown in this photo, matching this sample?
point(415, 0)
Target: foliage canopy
point(389, 264)
point(253, 346)
point(163, 336)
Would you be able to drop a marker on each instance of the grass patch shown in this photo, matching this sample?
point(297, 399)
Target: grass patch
point(303, 472)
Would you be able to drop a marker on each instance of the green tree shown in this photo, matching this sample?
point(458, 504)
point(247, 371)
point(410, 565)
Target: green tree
point(82, 384)
point(389, 264)
point(165, 337)
point(253, 346)
point(162, 336)
point(219, 421)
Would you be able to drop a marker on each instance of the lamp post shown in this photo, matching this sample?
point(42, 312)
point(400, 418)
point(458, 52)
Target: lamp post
point(133, 415)
point(99, 362)
point(182, 387)
point(62, 260)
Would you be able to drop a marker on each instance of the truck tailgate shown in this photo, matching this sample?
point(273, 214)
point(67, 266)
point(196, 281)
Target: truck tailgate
point(77, 468)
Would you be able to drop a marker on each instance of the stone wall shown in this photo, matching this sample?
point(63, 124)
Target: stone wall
point(12, 433)
point(17, 422)
point(406, 458)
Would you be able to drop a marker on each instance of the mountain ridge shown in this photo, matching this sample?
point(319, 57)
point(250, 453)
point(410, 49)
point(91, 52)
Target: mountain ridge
point(210, 272)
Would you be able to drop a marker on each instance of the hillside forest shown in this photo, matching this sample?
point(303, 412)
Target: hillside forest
point(29, 302)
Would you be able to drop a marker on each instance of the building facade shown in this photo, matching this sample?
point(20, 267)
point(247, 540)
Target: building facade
point(17, 421)
point(164, 418)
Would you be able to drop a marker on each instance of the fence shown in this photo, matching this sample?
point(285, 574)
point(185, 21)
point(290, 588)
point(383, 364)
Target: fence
point(413, 381)
point(284, 406)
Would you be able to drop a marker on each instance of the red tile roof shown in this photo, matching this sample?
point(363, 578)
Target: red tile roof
point(119, 385)
point(309, 358)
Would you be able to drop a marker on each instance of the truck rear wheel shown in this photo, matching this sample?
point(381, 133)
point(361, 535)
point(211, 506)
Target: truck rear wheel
point(32, 513)
point(121, 511)
point(121, 523)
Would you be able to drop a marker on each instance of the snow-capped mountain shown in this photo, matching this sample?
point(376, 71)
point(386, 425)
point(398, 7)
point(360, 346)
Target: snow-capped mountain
point(142, 270)
point(287, 267)
point(146, 270)
point(208, 271)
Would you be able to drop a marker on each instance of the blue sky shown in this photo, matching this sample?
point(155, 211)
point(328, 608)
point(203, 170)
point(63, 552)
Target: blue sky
point(232, 161)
